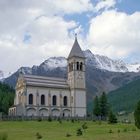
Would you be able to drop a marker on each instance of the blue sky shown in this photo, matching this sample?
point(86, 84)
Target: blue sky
point(30, 31)
point(128, 6)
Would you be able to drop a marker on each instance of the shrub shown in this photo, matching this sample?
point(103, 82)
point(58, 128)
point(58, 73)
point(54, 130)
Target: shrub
point(119, 131)
point(110, 131)
point(100, 122)
point(39, 119)
point(94, 120)
point(67, 120)
point(38, 136)
point(49, 119)
point(79, 132)
point(68, 135)
point(125, 130)
point(112, 118)
point(84, 126)
point(133, 129)
point(59, 120)
point(3, 136)
point(72, 120)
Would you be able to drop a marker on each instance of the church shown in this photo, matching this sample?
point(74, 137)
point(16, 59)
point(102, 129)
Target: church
point(51, 96)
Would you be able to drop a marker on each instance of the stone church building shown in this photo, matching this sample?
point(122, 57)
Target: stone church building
point(50, 96)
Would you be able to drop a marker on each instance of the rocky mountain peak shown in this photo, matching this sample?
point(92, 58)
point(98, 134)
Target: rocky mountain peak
point(92, 60)
point(54, 62)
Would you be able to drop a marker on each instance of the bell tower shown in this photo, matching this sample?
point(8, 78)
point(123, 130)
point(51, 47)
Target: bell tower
point(76, 67)
point(76, 79)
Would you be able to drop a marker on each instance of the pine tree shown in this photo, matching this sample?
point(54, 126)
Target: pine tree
point(103, 106)
point(137, 115)
point(79, 132)
point(96, 109)
point(112, 118)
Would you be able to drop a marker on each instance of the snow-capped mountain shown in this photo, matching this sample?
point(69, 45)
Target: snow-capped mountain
point(54, 62)
point(97, 61)
point(105, 63)
point(92, 60)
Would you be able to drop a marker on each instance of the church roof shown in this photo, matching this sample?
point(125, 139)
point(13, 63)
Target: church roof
point(42, 81)
point(76, 50)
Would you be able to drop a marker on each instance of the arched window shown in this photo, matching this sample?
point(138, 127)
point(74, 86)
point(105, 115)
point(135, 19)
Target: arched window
point(81, 66)
point(30, 99)
point(77, 65)
point(71, 66)
point(65, 101)
point(42, 99)
point(54, 100)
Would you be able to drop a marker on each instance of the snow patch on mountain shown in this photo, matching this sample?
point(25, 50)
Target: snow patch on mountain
point(25, 70)
point(105, 63)
point(55, 62)
point(4, 74)
point(133, 67)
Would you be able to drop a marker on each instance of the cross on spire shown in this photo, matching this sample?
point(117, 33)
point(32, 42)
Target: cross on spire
point(75, 35)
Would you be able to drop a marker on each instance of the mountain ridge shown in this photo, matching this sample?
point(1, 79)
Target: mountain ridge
point(96, 60)
point(97, 79)
point(106, 63)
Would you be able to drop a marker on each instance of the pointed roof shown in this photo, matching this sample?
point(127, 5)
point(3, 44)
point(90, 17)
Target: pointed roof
point(76, 50)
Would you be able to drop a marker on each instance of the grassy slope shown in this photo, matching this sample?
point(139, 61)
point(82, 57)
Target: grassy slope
point(125, 98)
point(56, 131)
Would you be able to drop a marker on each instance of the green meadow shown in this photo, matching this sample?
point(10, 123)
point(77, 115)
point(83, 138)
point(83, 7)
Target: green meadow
point(67, 130)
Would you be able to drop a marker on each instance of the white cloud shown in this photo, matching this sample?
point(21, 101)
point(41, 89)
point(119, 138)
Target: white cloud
point(73, 6)
point(47, 35)
point(30, 30)
point(104, 4)
point(115, 34)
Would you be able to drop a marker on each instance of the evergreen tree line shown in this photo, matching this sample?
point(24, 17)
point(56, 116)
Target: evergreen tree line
point(102, 109)
point(6, 97)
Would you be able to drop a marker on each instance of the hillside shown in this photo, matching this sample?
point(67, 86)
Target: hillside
point(126, 97)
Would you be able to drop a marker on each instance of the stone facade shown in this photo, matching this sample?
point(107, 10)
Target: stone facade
point(48, 96)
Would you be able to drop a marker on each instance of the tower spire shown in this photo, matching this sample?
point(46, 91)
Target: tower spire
point(76, 50)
